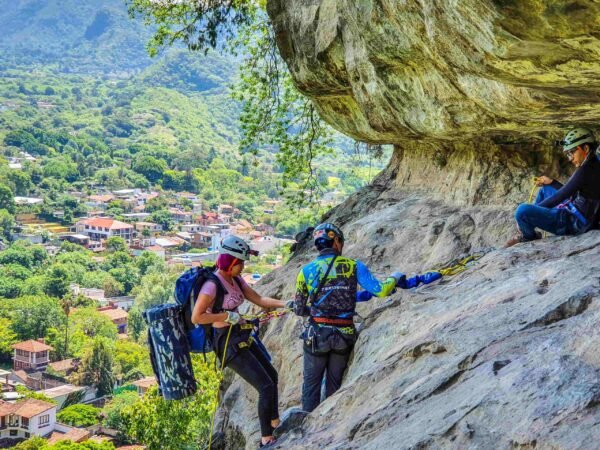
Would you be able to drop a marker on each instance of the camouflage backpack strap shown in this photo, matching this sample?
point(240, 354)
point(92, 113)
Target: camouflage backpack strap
point(316, 292)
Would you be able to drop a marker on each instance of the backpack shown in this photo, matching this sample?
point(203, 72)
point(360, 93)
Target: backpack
point(187, 288)
point(172, 335)
point(170, 352)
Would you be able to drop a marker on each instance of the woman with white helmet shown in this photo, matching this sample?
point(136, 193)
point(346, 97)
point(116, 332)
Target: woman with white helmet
point(570, 209)
point(242, 354)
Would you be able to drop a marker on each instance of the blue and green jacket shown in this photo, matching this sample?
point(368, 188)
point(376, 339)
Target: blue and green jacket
point(337, 298)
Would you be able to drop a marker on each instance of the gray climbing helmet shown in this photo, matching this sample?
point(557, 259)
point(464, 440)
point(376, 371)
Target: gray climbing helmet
point(235, 246)
point(576, 137)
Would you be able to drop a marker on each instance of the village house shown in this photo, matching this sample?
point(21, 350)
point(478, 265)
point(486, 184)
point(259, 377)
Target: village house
point(144, 384)
point(69, 394)
point(264, 228)
point(101, 228)
point(63, 368)
point(225, 209)
point(93, 293)
point(31, 355)
point(170, 242)
point(83, 240)
point(34, 380)
point(99, 201)
point(26, 418)
point(151, 227)
point(156, 249)
point(117, 315)
point(208, 218)
point(180, 216)
point(201, 240)
point(136, 217)
point(191, 228)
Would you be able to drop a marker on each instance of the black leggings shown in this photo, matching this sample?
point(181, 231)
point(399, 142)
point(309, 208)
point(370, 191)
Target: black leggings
point(255, 368)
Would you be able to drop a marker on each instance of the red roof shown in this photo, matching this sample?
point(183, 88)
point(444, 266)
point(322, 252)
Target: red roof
point(31, 346)
point(105, 222)
point(74, 435)
point(25, 408)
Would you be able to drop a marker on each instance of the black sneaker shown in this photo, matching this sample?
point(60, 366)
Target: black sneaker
point(271, 444)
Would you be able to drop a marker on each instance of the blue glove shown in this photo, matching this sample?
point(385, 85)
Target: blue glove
point(426, 278)
point(408, 283)
point(363, 296)
point(429, 277)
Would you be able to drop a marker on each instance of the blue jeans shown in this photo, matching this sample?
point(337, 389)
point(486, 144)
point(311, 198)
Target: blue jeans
point(554, 220)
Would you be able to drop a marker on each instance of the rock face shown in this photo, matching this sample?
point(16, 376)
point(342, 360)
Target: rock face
point(471, 93)
point(503, 355)
point(392, 71)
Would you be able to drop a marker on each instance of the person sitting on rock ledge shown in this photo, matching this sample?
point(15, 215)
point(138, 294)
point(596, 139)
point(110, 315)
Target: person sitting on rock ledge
point(570, 209)
point(326, 291)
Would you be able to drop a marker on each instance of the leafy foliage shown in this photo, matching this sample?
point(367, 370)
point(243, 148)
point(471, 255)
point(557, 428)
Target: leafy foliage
point(184, 424)
point(79, 415)
point(97, 366)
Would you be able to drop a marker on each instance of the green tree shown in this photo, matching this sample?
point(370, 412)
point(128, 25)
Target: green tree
point(32, 316)
point(97, 366)
point(38, 443)
point(58, 280)
point(136, 324)
point(274, 113)
point(7, 223)
point(20, 180)
point(153, 420)
point(150, 167)
point(130, 356)
point(7, 199)
point(79, 415)
point(116, 244)
point(128, 275)
point(163, 218)
point(7, 338)
point(113, 410)
point(149, 261)
point(85, 324)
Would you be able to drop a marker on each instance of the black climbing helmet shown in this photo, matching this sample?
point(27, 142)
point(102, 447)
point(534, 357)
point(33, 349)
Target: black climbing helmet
point(325, 233)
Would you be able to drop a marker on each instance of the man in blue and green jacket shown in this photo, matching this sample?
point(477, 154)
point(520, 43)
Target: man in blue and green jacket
point(327, 292)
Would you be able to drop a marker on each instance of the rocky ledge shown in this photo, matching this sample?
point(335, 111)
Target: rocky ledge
point(503, 355)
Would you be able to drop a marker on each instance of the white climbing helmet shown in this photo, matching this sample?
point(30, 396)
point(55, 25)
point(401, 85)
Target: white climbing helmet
point(235, 246)
point(576, 137)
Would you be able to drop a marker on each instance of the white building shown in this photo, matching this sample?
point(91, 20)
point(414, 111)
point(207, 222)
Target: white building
point(101, 228)
point(26, 418)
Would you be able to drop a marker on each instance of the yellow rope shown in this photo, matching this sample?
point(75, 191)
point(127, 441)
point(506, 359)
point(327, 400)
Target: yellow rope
point(214, 415)
point(266, 315)
point(535, 181)
point(461, 265)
